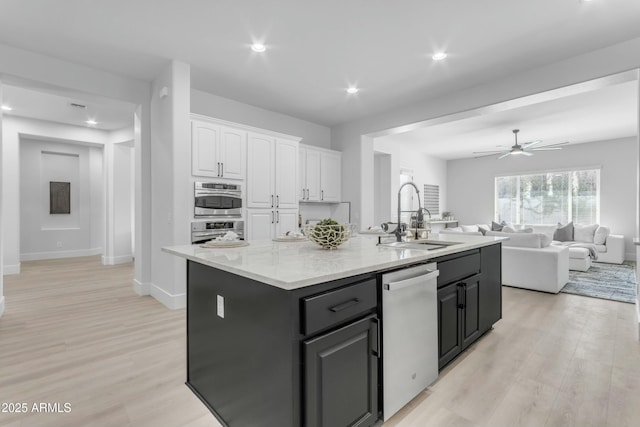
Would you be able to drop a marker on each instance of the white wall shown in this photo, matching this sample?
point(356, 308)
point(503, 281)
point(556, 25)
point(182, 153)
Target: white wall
point(426, 170)
point(35, 70)
point(172, 193)
point(1, 215)
point(357, 150)
point(12, 129)
point(471, 182)
point(223, 108)
point(44, 235)
point(382, 184)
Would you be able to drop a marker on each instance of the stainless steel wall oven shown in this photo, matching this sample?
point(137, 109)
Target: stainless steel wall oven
point(217, 200)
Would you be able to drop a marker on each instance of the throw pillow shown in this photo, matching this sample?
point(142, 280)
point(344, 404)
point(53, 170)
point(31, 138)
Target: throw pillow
point(564, 233)
point(483, 229)
point(467, 228)
point(508, 229)
point(584, 233)
point(526, 230)
point(496, 227)
point(601, 234)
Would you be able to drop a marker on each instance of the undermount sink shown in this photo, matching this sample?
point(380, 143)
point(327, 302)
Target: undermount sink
point(429, 245)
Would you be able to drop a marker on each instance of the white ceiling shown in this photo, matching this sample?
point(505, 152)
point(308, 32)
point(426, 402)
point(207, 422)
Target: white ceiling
point(316, 49)
point(44, 105)
point(607, 113)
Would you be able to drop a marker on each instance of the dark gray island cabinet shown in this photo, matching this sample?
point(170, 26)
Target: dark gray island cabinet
point(262, 355)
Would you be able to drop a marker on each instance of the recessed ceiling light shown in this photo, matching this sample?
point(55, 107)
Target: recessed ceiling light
point(352, 90)
point(91, 122)
point(439, 56)
point(6, 108)
point(258, 47)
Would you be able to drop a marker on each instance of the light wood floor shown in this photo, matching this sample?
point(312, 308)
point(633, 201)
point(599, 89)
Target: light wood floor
point(74, 331)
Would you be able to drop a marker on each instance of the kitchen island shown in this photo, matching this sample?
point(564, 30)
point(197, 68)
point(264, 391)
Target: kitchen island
point(288, 334)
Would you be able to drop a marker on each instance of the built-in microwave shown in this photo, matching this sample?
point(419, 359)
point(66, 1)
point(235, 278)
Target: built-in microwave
point(217, 199)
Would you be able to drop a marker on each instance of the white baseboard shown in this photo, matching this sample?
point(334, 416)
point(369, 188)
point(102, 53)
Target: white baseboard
point(122, 259)
point(1, 305)
point(11, 269)
point(141, 288)
point(60, 254)
point(169, 300)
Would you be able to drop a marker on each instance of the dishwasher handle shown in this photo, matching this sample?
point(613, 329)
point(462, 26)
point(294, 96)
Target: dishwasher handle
point(401, 284)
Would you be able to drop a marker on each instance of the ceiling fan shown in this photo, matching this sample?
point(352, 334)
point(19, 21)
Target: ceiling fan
point(518, 149)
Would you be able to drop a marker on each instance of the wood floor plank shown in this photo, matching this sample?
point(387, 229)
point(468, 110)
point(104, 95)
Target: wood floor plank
point(74, 331)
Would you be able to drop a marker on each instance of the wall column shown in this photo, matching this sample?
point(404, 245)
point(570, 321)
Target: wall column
point(1, 213)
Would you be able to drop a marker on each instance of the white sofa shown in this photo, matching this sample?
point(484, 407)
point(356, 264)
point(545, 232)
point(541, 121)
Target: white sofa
point(612, 251)
point(528, 263)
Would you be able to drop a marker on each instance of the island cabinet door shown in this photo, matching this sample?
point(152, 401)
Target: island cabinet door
point(449, 339)
point(341, 376)
point(470, 314)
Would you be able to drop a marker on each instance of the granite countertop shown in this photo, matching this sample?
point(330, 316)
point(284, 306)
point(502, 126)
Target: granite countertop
point(293, 265)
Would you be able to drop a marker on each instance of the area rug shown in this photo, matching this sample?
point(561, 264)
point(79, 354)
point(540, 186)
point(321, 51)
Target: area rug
point(607, 281)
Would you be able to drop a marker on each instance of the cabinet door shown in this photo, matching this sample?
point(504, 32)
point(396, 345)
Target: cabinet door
point(260, 191)
point(341, 377)
point(302, 173)
point(286, 174)
point(449, 340)
point(232, 149)
point(490, 292)
point(260, 224)
point(330, 176)
point(204, 149)
point(313, 175)
point(470, 313)
point(286, 220)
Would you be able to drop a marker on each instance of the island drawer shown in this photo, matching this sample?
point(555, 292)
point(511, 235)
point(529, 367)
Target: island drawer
point(458, 268)
point(329, 308)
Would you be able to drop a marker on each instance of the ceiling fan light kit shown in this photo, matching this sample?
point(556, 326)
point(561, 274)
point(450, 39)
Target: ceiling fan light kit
point(520, 150)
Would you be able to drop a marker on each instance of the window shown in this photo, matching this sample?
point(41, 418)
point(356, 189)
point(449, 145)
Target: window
point(549, 197)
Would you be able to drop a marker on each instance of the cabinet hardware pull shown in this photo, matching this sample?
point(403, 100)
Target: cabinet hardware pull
point(277, 217)
point(376, 345)
point(222, 169)
point(272, 200)
point(307, 194)
point(277, 201)
point(321, 194)
point(218, 168)
point(272, 217)
point(345, 305)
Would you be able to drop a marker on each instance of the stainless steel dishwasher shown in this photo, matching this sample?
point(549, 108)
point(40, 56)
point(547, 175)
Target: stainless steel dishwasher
point(410, 334)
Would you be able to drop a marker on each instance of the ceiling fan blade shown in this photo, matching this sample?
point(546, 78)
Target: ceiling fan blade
point(546, 148)
point(485, 155)
point(531, 144)
point(526, 153)
point(555, 145)
point(505, 155)
point(487, 152)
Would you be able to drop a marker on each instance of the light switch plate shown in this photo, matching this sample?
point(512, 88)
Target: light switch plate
point(220, 309)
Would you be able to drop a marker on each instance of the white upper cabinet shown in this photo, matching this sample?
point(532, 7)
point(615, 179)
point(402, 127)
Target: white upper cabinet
point(286, 173)
point(330, 176)
point(260, 171)
point(204, 149)
point(320, 175)
point(232, 149)
point(217, 151)
point(309, 174)
point(272, 173)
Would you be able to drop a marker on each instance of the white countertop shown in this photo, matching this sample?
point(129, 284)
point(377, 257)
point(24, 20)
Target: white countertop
point(293, 265)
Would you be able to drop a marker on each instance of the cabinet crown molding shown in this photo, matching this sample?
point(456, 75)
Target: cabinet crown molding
point(194, 116)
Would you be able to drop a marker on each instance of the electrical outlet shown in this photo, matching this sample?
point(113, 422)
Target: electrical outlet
point(59, 244)
point(220, 306)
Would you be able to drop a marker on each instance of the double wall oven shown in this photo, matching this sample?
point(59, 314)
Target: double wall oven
point(217, 210)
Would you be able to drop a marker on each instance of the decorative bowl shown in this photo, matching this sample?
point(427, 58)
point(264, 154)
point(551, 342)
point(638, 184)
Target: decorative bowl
point(328, 236)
